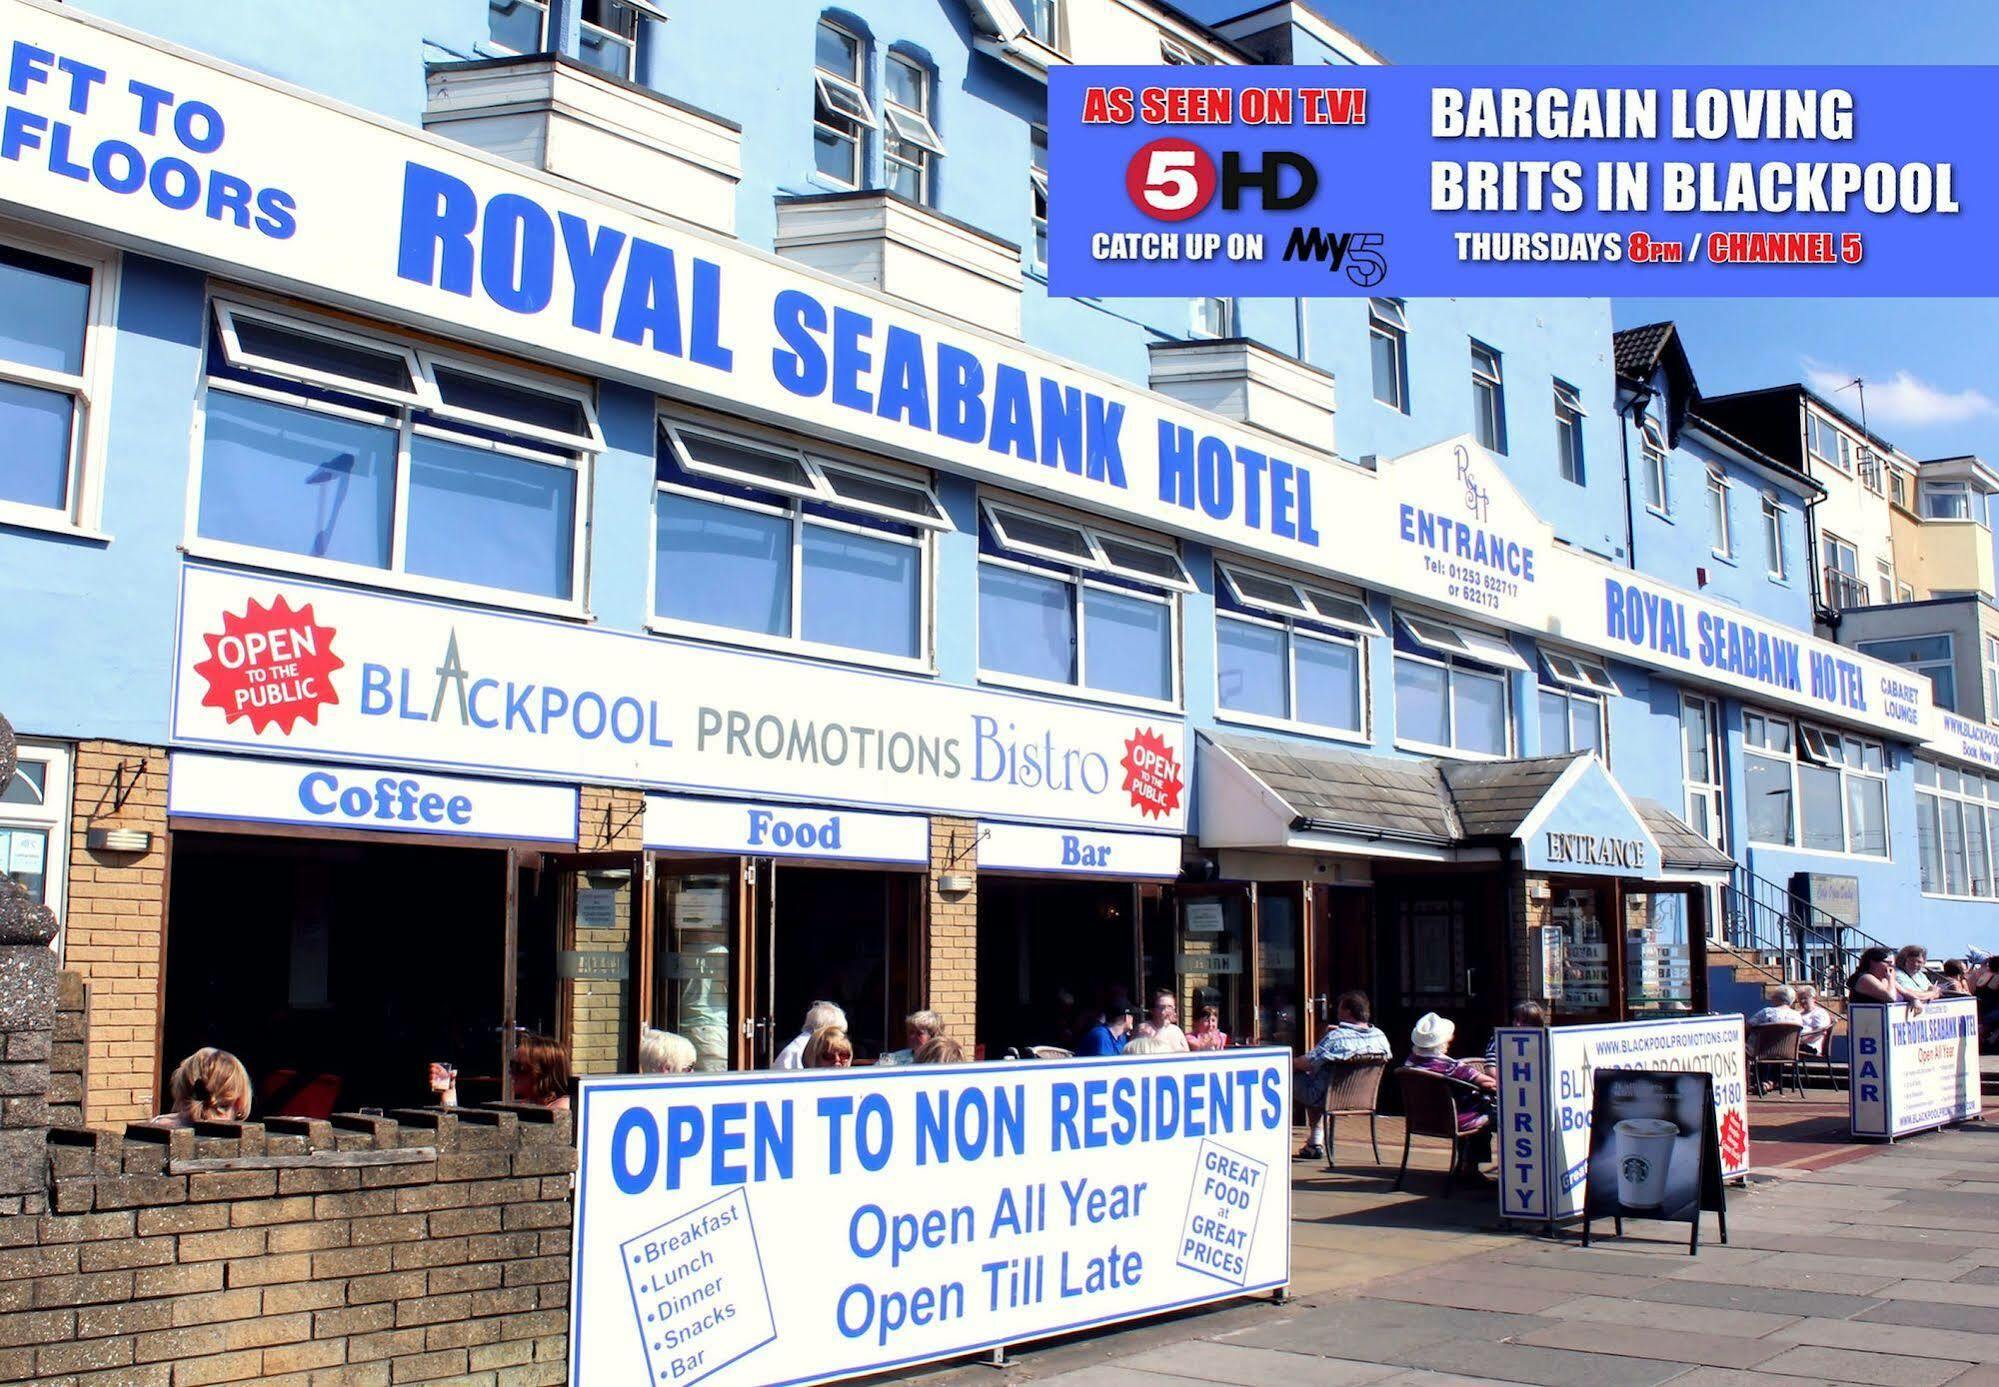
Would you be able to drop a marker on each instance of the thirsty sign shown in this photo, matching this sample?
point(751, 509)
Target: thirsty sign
point(1913, 1070)
point(802, 1227)
point(1546, 1089)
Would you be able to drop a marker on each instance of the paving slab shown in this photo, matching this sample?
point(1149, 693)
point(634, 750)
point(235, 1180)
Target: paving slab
point(1665, 1345)
point(1951, 1319)
point(1654, 1314)
point(1208, 1361)
point(1366, 1328)
point(1980, 1276)
point(1942, 1293)
point(1576, 1280)
point(1882, 1369)
point(1787, 1272)
point(1823, 1304)
point(1757, 1377)
point(1550, 1367)
point(1962, 1346)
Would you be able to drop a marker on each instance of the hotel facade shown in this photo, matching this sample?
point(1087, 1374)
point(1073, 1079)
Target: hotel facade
point(577, 515)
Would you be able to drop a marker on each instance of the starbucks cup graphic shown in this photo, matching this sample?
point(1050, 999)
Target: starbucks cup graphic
point(1644, 1147)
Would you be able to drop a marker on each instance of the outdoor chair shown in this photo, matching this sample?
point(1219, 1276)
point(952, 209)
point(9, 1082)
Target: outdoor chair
point(1835, 1077)
point(1354, 1090)
point(1428, 1111)
point(1049, 1052)
point(1776, 1045)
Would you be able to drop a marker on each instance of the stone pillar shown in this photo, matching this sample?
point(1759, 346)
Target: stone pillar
point(951, 930)
point(601, 1016)
point(27, 1026)
point(115, 925)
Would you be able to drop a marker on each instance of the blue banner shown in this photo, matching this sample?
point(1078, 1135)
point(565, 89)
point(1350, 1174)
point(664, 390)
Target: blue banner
point(1522, 181)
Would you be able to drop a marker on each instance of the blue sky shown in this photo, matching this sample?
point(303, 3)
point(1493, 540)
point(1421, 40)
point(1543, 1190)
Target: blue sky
point(1931, 365)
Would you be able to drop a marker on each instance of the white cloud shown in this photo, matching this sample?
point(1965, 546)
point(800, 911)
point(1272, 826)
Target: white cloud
point(1900, 399)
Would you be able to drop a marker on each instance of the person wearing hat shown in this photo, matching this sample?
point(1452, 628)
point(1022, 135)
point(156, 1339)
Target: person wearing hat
point(1107, 1037)
point(1473, 1090)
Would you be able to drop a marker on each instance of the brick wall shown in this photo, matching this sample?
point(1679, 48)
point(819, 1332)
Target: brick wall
point(114, 924)
point(601, 1020)
point(951, 931)
point(68, 1055)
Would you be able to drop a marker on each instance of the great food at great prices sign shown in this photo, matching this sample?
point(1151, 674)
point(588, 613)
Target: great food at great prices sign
point(289, 667)
point(1547, 1084)
point(807, 1226)
point(1912, 1069)
point(114, 134)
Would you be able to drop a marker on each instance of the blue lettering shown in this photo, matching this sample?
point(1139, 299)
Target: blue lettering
point(435, 242)
point(802, 368)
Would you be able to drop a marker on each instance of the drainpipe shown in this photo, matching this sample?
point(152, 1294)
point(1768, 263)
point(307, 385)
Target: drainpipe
point(1641, 397)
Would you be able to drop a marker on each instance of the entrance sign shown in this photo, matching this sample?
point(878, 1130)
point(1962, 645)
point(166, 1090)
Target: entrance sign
point(319, 795)
point(1585, 825)
point(739, 827)
point(1912, 1070)
point(416, 682)
point(1077, 851)
point(1546, 1090)
point(804, 1227)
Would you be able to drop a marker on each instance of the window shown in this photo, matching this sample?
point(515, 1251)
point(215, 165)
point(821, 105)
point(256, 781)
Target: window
point(1991, 644)
point(1946, 500)
point(1569, 414)
point(1451, 689)
point(1572, 709)
point(1043, 19)
point(1884, 581)
point(34, 824)
point(1898, 487)
point(1063, 603)
point(1720, 537)
point(1388, 346)
point(1037, 179)
point(1827, 443)
point(348, 450)
point(1935, 657)
point(840, 112)
point(1290, 653)
point(1841, 563)
point(1869, 463)
point(1177, 54)
point(1211, 318)
point(519, 26)
point(1957, 830)
point(55, 338)
point(607, 34)
point(1652, 466)
point(1700, 759)
point(1814, 788)
point(755, 536)
point(1777, 564)
point(913, 146)
point(1488, 399)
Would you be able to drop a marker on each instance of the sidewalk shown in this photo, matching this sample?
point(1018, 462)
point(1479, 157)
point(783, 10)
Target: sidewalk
point(1845, 1265)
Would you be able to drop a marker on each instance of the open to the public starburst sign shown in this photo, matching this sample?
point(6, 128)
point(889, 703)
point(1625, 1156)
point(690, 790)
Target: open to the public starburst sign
point(272, 665)
point(1151, 774)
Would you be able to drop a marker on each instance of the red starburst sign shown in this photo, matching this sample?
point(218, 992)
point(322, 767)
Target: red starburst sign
point(1734, 1142)
point(272, 665)
point(1151, 774)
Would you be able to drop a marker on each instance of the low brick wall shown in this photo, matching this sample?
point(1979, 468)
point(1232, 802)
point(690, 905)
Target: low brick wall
point(422, 1246)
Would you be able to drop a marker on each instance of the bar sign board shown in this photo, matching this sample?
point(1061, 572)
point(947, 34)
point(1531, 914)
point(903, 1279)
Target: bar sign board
point(1913, 1070)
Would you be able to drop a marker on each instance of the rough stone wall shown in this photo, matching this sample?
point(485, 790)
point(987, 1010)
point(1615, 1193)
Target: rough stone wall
point(951, 931)
point(115, 923)
point(365, 1250)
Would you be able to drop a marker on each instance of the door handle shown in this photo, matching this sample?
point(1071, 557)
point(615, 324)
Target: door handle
point(1470, 990)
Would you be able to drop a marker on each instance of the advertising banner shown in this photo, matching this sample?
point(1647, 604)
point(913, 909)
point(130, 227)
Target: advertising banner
point(289, 667)
point(1546, 1092)
point(808, 1226)
point(1654, 1151)
point(1021, 848)
point(1456, 180)
point(674, 823)
point(1912, 1070)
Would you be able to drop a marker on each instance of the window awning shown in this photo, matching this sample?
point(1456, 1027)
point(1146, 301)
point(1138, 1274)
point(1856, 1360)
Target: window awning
point(1466, 642)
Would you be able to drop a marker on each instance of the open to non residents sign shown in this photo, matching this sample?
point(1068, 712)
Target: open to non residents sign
point(804, 1227)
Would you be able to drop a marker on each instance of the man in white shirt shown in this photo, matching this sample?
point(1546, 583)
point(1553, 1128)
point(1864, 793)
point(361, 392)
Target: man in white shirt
point(1817, 1021)
point(1782, 1011)
point(1166, 1023)
point(817, 1016)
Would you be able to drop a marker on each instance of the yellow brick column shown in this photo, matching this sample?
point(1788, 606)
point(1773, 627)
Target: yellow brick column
point(951, 931)
point(114, 925)
point(601, 1016)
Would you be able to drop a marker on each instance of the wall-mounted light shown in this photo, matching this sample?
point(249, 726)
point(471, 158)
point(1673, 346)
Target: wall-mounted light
point(956, 883)
point(118, 840)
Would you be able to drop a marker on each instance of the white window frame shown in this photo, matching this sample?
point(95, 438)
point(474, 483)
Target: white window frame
point(1570, 698)
point(83, 513)
point(1569, 416)
point(1488, 381)
point(1816, 425)
point(1037, 198)
point(827, 85)
point(1991, 665)
point(1388, 319)
point(1453, 668)
point(1720, 524)
point(628, 44)
point(1295, 632)
point(1832, 549)
point(1776, 562)
point(538, 6)
point(1960, 489)
point(1810, 744)
point(1223, 324)
point(818, 471)
point(1449, 640)
point(1174, 53)
point(1652, 455)
point(52, 817)
point(998, 511)
point(1052, 10)
point(1581, 673)
point(1884, 578)
point(913, 127)
point(1316, 602)
point(1877, 649)
point(390, 409)
point(1712, 791)
point(792, 507)
point(1963, 802)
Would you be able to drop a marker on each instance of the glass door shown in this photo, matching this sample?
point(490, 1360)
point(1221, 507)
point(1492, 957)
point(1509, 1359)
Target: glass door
point(1585, 983)
point(1211, 963)
point(696, 962)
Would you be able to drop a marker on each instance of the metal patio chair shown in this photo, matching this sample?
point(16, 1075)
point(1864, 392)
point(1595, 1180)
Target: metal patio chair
point(1776, 1044)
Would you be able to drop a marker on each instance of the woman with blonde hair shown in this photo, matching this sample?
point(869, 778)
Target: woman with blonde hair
point(663, 1052)
point(210, 1085)
point(829, 1048)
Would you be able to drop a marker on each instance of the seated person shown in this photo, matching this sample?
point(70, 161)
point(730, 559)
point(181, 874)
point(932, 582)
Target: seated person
point(919, 1029)
point(1524, 1014)
point(1817, 1021)
point(1956, 978)
point(1912, 973)
point(829, 1048)
point(1875, 979)
point(1353, 1034)
point(1782, 1010)
point(210, 1085)
point(1107, 1037)
point(1474, 1091)
point(1208, 1033)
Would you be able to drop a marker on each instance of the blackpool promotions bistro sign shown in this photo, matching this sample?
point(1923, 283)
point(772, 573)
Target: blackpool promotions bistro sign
point(297, 668)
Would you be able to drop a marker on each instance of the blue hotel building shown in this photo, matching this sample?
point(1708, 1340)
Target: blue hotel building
point(573, 514)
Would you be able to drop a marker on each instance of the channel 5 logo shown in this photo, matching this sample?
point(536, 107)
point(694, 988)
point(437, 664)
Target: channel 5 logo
point(1171, 179)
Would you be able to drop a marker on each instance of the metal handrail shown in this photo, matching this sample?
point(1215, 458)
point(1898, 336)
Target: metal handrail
point(1807, 943)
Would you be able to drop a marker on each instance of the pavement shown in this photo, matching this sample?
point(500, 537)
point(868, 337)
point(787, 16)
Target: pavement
point(1846, 1264)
